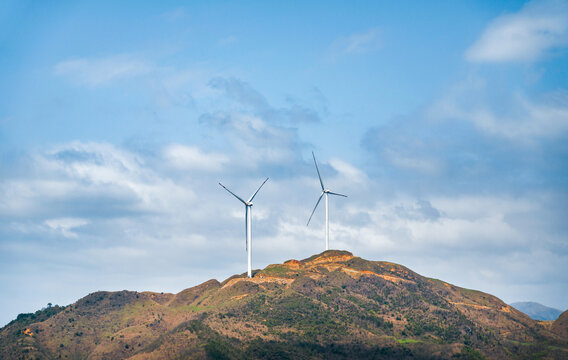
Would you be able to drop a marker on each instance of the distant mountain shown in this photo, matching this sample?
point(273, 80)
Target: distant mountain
point(329, 306)
point(537, 311)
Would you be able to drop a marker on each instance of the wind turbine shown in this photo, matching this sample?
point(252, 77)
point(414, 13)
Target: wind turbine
point(325, 192)
point(248, 222)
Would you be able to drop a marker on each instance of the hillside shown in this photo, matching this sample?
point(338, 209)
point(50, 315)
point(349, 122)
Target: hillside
point(537, 311)
point(330, 306)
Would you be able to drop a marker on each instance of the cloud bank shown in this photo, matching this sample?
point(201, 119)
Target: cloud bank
point(537, 30)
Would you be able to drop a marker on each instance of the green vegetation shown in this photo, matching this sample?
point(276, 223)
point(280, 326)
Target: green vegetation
point(329, 311)
point(38, 316)
point(408, 341)
point(277, 270)
point(471, 354)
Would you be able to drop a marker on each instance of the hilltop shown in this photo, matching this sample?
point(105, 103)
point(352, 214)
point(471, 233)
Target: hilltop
point(332, 305)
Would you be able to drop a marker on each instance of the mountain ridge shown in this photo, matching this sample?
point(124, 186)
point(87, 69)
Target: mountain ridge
point(536, 310)
point(329, 305)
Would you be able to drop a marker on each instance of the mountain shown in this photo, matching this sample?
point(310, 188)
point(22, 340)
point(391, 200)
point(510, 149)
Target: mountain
point(330, 306)
point(537, 311)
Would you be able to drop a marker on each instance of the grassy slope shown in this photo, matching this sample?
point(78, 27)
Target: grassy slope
point(331, 305)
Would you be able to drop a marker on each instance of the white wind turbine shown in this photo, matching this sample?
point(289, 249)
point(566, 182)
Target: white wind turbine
point(248, 222)
point(325, 192)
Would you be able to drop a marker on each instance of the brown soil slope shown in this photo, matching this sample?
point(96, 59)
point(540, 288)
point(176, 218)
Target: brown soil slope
point(560, 325)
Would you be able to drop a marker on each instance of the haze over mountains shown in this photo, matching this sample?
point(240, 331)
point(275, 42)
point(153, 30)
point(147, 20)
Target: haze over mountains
point(331, 305)
point(537, 311)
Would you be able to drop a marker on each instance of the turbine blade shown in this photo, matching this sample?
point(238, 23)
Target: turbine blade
point(332, 193)
point(315, 162)
point(314, 210)
point(256, 192)
point(232, 193)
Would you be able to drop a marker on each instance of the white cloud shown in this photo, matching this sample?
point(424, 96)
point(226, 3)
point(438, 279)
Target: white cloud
point(521, 120)
point(358, 43)
point(97, 72)
point(64, 225)
point(257, 133)
point(91, 171)
point(255, 141)
point(19, 197)
point(459, 223)
point(192, 158)
point(537, 120)
point(349, 172)
point(97, 162)
point(528, 35)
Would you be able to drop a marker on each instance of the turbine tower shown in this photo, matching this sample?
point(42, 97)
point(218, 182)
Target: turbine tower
point(325, 192)
point(248, 222)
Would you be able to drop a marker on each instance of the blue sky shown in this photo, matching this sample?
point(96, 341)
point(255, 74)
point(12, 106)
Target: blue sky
point(445, 122)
